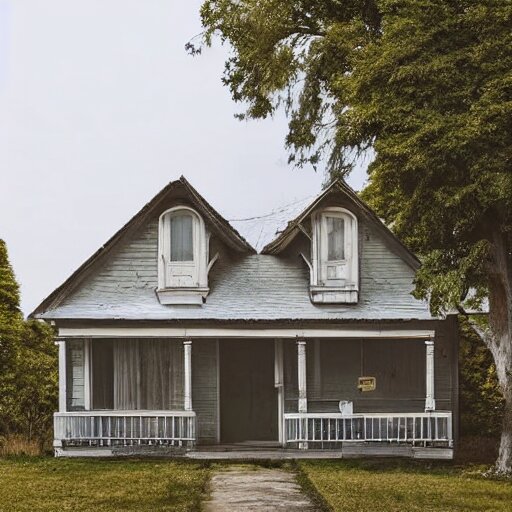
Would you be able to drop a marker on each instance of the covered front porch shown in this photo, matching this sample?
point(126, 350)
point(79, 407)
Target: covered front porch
point(238, 390)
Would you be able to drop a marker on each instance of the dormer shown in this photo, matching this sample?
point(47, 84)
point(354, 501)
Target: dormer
point(182, 257)
point(334, 256)
point(327, 236)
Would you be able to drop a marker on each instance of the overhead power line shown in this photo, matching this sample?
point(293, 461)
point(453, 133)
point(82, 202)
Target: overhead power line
point(274, 212)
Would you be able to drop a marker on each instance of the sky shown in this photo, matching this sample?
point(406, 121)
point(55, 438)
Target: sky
point(100, 107)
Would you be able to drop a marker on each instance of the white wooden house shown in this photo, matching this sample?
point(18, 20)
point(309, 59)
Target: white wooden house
point(177, 336)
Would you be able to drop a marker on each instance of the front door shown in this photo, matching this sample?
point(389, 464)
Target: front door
point(248, 397)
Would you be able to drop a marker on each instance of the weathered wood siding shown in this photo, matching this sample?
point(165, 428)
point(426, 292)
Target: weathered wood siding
point(75, 375)
point(205, 389)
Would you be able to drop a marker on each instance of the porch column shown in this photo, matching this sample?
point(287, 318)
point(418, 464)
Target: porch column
point(87, 374)
point(187, 350)
point(301, 373)
point(62, 374)
point(430, 403)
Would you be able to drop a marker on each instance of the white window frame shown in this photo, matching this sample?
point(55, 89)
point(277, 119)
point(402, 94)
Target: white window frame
point(198, 266)
point(319, 251)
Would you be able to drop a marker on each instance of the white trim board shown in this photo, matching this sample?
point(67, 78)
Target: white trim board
point(225, 332)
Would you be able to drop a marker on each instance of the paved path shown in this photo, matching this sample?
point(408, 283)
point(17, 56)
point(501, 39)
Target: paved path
point(250, 488)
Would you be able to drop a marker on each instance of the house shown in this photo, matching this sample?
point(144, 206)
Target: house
point(177, 336)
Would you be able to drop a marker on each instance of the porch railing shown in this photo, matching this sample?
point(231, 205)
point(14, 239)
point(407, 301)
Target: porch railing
point(317, 429)
point(124, 428)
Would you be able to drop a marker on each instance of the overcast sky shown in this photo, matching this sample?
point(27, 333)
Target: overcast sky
point(100, 107)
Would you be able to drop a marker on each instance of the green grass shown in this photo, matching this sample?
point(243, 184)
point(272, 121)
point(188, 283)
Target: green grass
point(402, 486)
point(46, 484)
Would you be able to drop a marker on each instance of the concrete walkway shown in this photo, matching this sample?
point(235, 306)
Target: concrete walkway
point(251, 488)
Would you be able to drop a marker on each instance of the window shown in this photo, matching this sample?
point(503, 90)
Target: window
point(75, 375)
point(130, 374)
point(183, 257)
point(335, 238)
point(182, 239)
point(334, 277)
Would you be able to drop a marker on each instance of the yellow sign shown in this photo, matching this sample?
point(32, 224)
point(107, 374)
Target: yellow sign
point(367, 383)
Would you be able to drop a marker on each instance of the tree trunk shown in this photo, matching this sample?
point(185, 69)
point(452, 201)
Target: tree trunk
point(504, 462)
point(500, 339)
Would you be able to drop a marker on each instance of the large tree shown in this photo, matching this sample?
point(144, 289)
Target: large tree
point(427, 85)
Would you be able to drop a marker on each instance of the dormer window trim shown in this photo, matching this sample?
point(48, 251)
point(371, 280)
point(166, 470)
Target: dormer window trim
point(335, 266)
point(181, 279)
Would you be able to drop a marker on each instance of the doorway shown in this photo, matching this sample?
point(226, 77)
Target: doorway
point(248, 397)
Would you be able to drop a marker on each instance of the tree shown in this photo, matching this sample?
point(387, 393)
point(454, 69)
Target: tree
point(28, 372)
point(427, 84)
point(34, 383)
point(10, 314)
point(481, 403)
point(11, 324)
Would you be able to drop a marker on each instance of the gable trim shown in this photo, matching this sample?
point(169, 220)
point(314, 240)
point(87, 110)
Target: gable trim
point(220, 225)
point(294, 227)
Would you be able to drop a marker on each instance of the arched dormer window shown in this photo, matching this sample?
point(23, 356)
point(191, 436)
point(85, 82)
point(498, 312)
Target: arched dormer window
point(335, 272)
point(183, 257)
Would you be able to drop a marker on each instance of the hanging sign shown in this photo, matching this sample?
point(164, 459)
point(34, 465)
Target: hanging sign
point(367, 383)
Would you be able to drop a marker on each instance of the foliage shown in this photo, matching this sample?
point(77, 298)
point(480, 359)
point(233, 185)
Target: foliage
point(28, 375)
point(427, 85)
point(296, 55)
point(402, 485)
point(35, 383)
point(481, 403)
point(44, 485)
point(10, 314)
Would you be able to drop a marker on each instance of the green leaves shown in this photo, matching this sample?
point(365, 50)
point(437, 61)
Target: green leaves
point(295, 55)
point(427, 84)
point(28, 364)
point(9, 290)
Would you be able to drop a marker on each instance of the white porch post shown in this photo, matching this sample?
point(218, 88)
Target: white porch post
point(187, 350)
point(430, 403)
point(301, 372)
point(279, 385)
point(87, 374)
point(62, 375)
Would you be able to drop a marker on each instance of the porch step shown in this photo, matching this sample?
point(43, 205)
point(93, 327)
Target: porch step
point(240, 447)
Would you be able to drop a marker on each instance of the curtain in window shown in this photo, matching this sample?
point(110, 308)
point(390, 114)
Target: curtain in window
point(335, 238)
point(148, 374)
point(102, 353)
point(162, 374)
point(182, 237)
point(127, 378)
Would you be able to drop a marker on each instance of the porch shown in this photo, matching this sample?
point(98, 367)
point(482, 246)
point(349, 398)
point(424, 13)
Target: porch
point(280, 396)
point(426, 435)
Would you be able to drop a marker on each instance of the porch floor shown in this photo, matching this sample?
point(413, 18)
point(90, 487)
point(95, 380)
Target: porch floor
point(250, 451)
point(265, 451)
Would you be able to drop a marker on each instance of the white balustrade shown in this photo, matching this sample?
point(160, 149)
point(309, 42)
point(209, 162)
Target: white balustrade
point(323, 429)
point(124, 428)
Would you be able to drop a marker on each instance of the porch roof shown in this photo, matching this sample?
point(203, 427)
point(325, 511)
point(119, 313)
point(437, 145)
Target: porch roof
point(252, 287)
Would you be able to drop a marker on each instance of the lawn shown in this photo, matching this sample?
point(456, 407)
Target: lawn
point(47, 484)
point(403, 486)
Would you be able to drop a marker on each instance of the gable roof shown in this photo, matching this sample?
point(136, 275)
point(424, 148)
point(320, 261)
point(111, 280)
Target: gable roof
point(294, 226)
point(220, 225)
